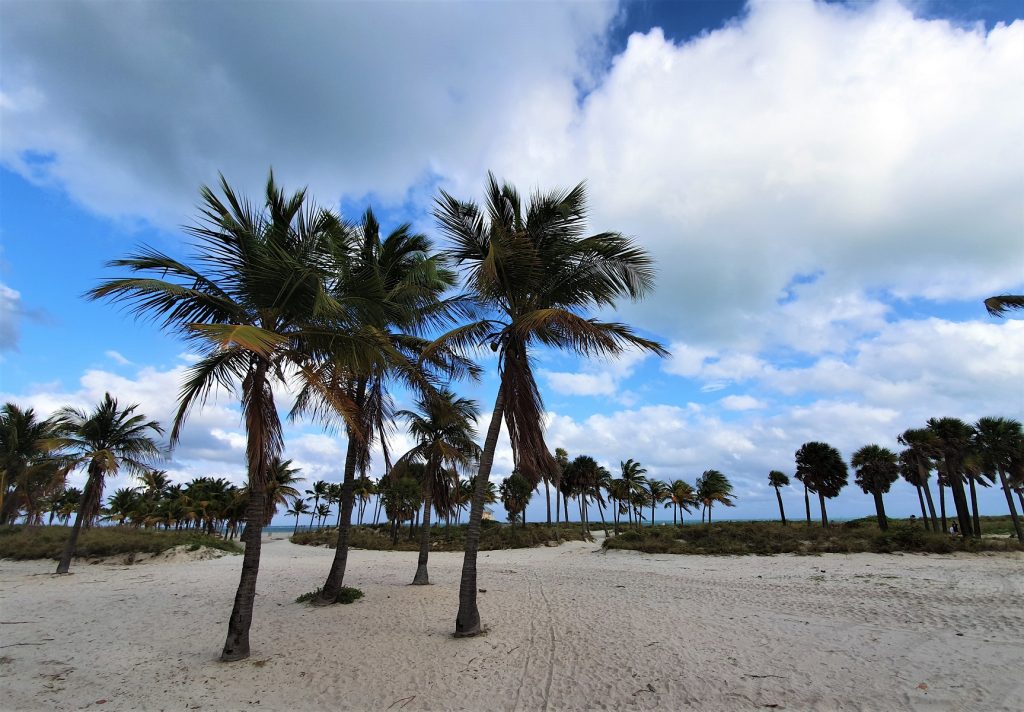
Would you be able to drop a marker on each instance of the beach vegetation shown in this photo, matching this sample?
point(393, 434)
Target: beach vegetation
point(493, 536)
point(346, 594)
point(97, 542)
point(822, 470)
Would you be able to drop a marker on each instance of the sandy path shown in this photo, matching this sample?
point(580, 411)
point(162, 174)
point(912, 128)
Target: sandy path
point(569, 628)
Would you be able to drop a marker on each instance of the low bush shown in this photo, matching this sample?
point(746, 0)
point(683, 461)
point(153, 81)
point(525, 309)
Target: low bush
point(493, 535)
point(100, 542)
point(347, 594)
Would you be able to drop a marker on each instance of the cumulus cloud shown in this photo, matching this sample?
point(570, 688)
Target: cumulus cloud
point(10, 318)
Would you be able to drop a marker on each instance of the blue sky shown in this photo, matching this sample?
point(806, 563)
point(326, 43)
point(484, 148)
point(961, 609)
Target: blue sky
point(830, 189)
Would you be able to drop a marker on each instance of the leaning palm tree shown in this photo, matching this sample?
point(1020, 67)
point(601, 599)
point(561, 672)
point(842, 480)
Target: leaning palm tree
point(821, 468)
point(298, 508)
point(635, 485)
point(682, 497)
point(955, 439)
point(253, 302)
point(658, 492)
point(104, 440)
point(318, 492)
point(876, 469)
point(532, 268)
point(778, 479)
point(443, 428)
point(29, 468)
point(713, 486)
point(922, 451)
point(998, 306)
point(998, 440)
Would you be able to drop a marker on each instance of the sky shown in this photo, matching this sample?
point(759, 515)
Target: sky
point(829, 190)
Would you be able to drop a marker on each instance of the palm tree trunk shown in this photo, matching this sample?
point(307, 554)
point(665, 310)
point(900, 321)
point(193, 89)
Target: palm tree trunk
point(807, 504)
point(654, 503)
point(956, 484)
point(336, 576)
point(883, 523)
point(421, 578)
point(467, 621)
point(974, 510)
point(782, 512)
point(1009, 503)
point(924, 514)
point(296, 529)
point(69, 548)
point(709, 513)
point(674, 514)
point(931, 504)
point(236, 647)
point(547, 499)
point(824, 516)
point(316, 501)
point(942, 503)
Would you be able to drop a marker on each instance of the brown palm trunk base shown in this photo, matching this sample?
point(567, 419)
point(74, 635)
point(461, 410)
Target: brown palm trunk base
point(336, 576)
point(64, 565)
point(883, 522)
point(974, 510)
point(1013, 509)
point(824, 516)
point(807, 505)
point(467, 621)
point(422, 578)
point(236, 647)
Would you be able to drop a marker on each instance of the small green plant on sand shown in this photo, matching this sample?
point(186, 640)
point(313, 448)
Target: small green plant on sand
point(347, 594)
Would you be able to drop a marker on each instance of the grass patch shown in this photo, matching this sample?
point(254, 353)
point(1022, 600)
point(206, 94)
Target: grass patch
point(493, 535)
point(765, 538)
point(347, 594)
point(99, 542)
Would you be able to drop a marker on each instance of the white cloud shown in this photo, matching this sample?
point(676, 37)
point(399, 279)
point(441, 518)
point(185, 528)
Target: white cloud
point(10, 318)
point(742, 403)
point(117, 358)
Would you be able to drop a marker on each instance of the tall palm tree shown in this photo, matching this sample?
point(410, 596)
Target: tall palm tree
point(778, 479)
point(909, 472)
point(255, 300)
point(298, 508)
point(821, 468)
point(318, 492)
point(29, 466)
point(955, 438)
point(561, 462)
point(280, 487)
point(998, 441)
point(998, 306)
point(713, 486)
point(532, 268)
point(104, 440)
point(322, 512)
point(658, 492)
point(443, 427)
point(635, 485)
point(515, 492)
point(876, 469)
point(922, 451)
point(682, 496)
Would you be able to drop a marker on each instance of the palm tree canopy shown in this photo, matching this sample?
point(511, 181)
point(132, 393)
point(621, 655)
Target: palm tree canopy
point(998, 306)
point(997, 441)
point(821, 468)
point(876, 469)
point(778, 479)
point(534, 271)
point(713, 486)
point(682, 494)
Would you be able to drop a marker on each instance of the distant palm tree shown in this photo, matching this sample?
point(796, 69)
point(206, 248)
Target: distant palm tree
point(443, 428)
point(998, 441)
point(635, 484)
point(298, 508)
point(280, 487)
point(319, 491)
point(29, 467)
point(998, 306)
point(123, 505)
point(876, 469)
point(515, 492)
point(713, 486)
point(821, 468)
point(104, 441)
point(922, 452)
point(778, 479)
point(322, 512)
point(682, 497)
point(658, 492)
point(561, 462)
point(537, 274)
point(955, 441)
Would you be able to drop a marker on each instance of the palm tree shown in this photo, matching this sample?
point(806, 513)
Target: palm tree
point(922, 450)
point(280, 489)
point(515, 492)
point(682, 496)
point(29, 468)
point(955, 438)
point(104, 440)
point(298, 508)
point(443, 428)
point(255, 300)
point(998, 306)
point(318, 492)
point(998, 440)
point(658, 492)
point(561, 462)
point(909, 472)
point(821, 468)
point(713, 486)
point(322, 512)
point(364, 489)
point(123, 504)
point(533, 269)
point(635, 485)
point(876, 469)
point(778, 479)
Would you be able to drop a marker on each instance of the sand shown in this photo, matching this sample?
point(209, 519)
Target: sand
point(569, 628)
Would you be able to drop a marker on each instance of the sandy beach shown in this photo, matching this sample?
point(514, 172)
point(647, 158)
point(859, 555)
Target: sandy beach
point(570, 627)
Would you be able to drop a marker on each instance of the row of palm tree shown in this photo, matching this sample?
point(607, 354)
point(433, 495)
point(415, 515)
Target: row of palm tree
point(960, 453)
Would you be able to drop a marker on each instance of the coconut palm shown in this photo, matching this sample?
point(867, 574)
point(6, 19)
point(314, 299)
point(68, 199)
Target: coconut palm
point(443, 427)
point(104, 440)
point(658, 492)
point(682, 496)
point(298, 508)
point(998, 306)
point(561, 462)
point(876, 469)
point(318, 492)
point(955, 439)
point(533, 269)
point(821, 468)
point(322, 512)
point(123, 505)
point(29, 466)
point(778, 479)
point(713, 486)
point(515, 492)
point(922, 451)
point(635, 485)
point(281, 481)
point(998, 440)
point(364, 489)
point(254, 301)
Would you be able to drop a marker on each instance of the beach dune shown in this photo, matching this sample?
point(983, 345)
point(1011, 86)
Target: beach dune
point(569, 628)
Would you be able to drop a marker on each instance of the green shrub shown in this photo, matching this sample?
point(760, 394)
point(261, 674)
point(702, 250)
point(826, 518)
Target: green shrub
point(493, 535)
point(347, 594)
point(100, 542)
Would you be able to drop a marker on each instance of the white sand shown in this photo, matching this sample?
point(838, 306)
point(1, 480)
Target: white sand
point(570, 628)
